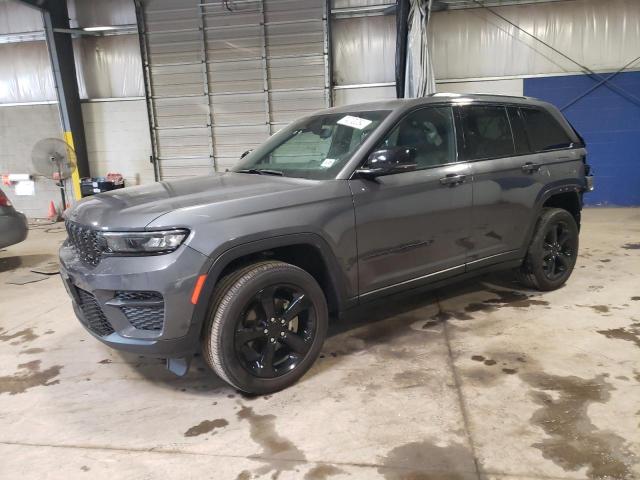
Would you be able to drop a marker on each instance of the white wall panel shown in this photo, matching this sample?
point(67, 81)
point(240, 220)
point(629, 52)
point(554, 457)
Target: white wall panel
point(117, 135)
point(475, 43)
point(20, 128)
point(349, 96)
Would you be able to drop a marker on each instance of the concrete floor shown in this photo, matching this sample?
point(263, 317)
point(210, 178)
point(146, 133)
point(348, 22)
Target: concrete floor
point(478, 380)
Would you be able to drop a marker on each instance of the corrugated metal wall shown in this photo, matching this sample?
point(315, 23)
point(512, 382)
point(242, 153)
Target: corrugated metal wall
point(223, 79)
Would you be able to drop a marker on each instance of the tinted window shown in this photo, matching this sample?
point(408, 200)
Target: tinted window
point(544, 131)
point(430, 131)
point(486, 132)
point(519, 133)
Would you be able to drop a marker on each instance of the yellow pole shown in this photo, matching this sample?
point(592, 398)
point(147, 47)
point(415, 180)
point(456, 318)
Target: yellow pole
point(75, 176)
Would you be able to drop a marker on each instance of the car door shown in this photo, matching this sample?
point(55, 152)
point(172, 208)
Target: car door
point(495, 144)
point(414, 226)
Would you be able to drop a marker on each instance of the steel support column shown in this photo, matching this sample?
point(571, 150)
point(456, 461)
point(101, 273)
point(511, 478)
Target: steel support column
point(402, 32)
point(56, 17)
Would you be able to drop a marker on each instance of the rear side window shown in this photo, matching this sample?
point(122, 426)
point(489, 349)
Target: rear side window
point(544, 131)
point(520, 139)
point(486, 132)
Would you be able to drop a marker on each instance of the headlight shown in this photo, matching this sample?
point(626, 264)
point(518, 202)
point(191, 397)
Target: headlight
point(142, 242)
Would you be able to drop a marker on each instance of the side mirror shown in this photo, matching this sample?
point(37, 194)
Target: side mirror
point(388, 161)
point(245, 154)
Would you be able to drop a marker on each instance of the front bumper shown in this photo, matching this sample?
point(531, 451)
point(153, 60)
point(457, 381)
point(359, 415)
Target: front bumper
point(157, 287)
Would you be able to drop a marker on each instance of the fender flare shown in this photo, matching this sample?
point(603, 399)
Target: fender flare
point(543, 196)
point(230, 253)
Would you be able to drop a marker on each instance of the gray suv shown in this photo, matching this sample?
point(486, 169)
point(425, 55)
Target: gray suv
point(339, 208)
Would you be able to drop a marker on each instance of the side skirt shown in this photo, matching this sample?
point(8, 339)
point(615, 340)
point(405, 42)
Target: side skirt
point(425, 284)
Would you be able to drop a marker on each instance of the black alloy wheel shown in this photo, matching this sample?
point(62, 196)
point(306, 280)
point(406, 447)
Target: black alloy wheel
point(559, 250)
point(275, 331)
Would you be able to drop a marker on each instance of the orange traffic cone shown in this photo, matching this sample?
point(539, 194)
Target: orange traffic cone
point(53, 214)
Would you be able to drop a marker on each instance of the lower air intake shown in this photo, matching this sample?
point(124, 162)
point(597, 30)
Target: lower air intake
point(94, 317)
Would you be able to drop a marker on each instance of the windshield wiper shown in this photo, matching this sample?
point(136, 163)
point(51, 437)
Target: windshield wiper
point(261, 171)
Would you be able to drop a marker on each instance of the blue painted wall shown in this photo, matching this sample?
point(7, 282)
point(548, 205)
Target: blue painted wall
point(610, 124)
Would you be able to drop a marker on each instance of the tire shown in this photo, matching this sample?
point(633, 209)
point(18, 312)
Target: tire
point(551, 256)
point(265, 327)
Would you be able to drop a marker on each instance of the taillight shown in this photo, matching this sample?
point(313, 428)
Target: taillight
point(4, 201)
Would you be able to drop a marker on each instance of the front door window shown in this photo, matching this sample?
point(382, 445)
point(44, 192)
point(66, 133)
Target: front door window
point(431, 132)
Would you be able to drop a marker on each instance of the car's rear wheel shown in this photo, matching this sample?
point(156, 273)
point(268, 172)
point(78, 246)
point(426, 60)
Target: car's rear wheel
point(553, 251)
point(266, 327)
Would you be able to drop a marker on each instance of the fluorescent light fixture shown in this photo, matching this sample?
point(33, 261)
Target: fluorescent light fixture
point(99, 29)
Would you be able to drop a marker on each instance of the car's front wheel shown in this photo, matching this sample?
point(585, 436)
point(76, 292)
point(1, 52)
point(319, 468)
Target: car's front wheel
point(266, 327)
point(553, 251)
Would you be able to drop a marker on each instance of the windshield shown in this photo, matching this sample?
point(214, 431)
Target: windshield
point(315, 147)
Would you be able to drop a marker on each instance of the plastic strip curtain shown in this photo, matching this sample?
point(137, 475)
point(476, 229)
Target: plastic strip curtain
point(474, 43)
point(25, 73)
point(420, 79)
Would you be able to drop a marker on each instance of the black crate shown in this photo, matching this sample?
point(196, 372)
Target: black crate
point(91, 186)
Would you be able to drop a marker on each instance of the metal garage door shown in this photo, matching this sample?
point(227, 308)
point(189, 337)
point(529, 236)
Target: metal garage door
point(222, 76)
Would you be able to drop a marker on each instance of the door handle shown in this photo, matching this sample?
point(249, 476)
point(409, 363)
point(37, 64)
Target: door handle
point(531, 167)
point(452, 179)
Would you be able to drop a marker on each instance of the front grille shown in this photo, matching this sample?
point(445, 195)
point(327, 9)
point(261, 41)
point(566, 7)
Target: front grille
point(146, 309)
point(94, 317)
point(85, 242)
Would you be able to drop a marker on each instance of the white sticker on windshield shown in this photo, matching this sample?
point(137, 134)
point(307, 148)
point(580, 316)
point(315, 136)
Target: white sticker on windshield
point(328, 162)
point(354, 122)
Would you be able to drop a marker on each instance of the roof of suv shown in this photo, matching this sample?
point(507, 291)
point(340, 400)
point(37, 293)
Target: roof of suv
point(437, 98)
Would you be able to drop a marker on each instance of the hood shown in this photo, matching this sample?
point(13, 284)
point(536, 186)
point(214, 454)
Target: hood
point(136, 207)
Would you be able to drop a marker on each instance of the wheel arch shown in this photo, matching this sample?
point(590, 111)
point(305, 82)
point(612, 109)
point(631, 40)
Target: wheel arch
point(571, 201)
point(308, 251)
point(566, 196)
